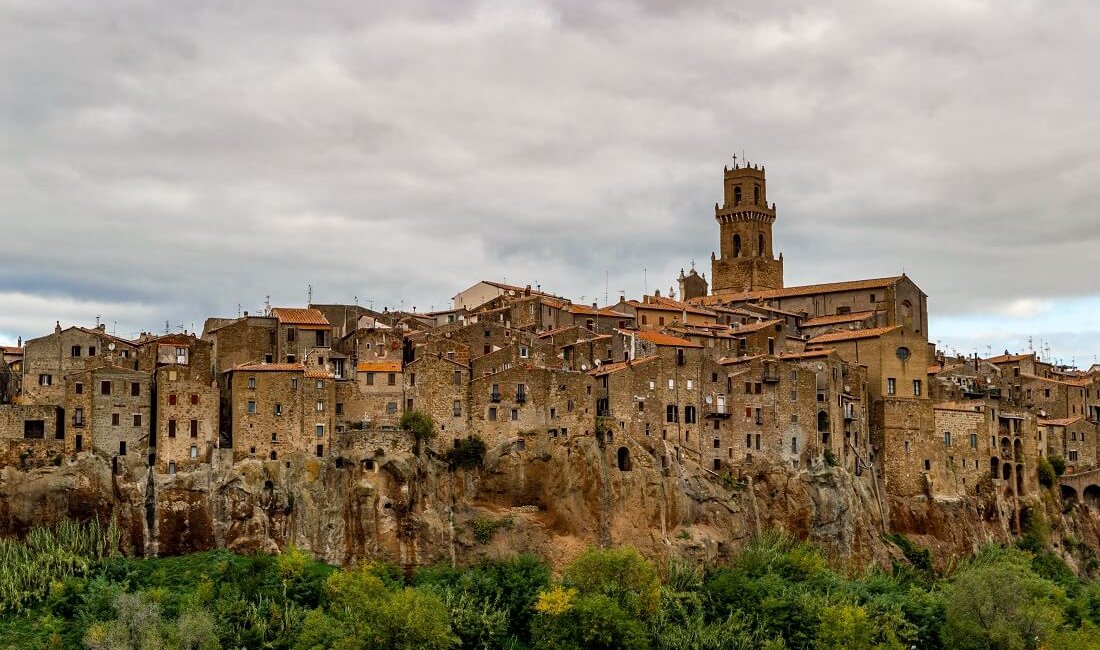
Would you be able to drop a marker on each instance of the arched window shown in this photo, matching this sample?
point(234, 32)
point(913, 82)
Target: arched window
point(756, 194)
point(737, 196)
point(822, 421)
point(760, 246)
point(737, 245)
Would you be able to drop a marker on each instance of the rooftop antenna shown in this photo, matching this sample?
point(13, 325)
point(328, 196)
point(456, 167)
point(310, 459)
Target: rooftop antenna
point(167, 327)
point(267, 305)
point(114, 328)
point(1030, 346)
point(309, 292)
point(645, 281)
point(605, 287)
point(238, 314)
point(97, 321)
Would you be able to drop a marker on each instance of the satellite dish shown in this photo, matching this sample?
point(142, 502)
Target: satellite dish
point(584, 367)
point(709, 399)
point(597, 362)
point(110, 346)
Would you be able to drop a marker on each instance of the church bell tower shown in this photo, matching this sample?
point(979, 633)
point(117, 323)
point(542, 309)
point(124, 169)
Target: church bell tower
point(746, 261)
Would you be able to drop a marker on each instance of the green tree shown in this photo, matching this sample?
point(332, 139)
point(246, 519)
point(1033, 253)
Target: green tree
point(421, 425)
point(1000, 606)
point(622, 575)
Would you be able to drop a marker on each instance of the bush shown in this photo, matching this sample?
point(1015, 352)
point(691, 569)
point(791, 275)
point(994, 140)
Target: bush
point(1058, 464)
point(421, 425)
point(484, 528)
point(467, 454)
point(1046, 473)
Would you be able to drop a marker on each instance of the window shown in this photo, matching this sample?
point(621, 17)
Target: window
point(171, 428)
point(171, 467)
point(294, 383)
point(290, 333)
point(278, 409)
point(391, 379)
point(652, 385)
point(320, 430)
point(121, 447)
point(458, 377)
point(104, 388)
point(689, 384)
point(78, 388)
point(391, 408)
point(891, 386)
point(290, 358)
point(114, 419)
point(78, 417)
point(370, 378)
point(522, 352)
point(903, 353)
point(906, 447)
point(135, 389)
point(252, 383)
point(194, 452)
point(515, 414)
point(320, 406)
point(671, 384)
point(973, 441)
point(172, 399)
point(916, 388)
point(947, 438)
point(339, 408)
point(457, 408)
point(137, 419)
point(194, 428)
point(492, 413)
point(689, 414)
point(251, 407)
point(1073, 454)
point(794, 445)
point(75, 352)
point(927, 465)
point(274, 436)
point(320, 340)
point(194, 399)
point(34, 429)
point(672, 413)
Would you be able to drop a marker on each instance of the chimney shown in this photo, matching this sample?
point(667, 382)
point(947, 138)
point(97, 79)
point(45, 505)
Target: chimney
point(594, 306)
point(246, 314)
point(527, 290)
point(57, 327)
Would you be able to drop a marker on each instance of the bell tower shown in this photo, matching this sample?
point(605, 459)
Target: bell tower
point(746, 260)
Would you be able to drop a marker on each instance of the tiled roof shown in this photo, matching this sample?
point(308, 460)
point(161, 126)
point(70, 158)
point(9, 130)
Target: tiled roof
point(1078, 383)
point(609, 368)
point(1060, 422)
point(749, 328)
point(853, 335)
point(656, 338)
point(716, 331)
point(837, 319)
point(378, 366)
point(805, 290)
point(660, 303)
point(254, 366)
point(808, 354)
point(1009, 358)
point(299, 316)
point(582, 310)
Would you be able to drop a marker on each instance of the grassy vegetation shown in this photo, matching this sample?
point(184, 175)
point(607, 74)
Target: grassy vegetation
point(778, 593)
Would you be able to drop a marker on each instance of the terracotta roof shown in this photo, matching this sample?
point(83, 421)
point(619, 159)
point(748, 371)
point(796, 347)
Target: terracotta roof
point(837, 319)
point(378, 366)
point(10, 349)
point(853, 335)
point(660, 303)
point(1079, 383)
point(254, 366)
point(729, 361)
point(809, 354)
point(318, 373)
point(299, 316)
point(805, 290)
point(1061, 422)
point(716, 331)
point(582, 310)
point(656, 338)
point(609, 368)
point(1008, 358)
point(749, 328)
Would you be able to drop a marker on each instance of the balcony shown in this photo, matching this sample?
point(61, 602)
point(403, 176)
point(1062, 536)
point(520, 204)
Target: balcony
point(849, 412)
point(771, 373)
point(994, 393)
point(494, 397)
point(521, 398)
point(759, 420)
point(719, 412)
point(78, 422)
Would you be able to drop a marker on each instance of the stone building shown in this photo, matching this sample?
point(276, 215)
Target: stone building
point(31, 435)
point(746, 261)
point(49, 359)
point(280, 408)
point(110, 410)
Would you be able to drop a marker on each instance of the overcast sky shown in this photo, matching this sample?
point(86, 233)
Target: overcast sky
point(167, 161)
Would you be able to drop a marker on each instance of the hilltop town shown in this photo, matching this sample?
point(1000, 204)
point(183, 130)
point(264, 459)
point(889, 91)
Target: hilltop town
point(684, 420)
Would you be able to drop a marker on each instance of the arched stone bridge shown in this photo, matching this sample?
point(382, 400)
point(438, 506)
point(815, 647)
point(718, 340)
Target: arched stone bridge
point(1081, 487)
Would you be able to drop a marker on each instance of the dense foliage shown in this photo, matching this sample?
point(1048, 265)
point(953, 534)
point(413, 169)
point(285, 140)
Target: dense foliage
point(62, 589)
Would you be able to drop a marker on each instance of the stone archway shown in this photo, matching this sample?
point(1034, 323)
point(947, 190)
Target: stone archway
point(1069, 497)
point(624, 459)
point(1091, 497)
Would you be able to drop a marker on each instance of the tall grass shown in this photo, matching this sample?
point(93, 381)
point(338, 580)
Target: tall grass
point(28, 567)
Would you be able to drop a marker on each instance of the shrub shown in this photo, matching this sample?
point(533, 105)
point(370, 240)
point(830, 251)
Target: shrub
point(1047, 475)
point(484, 528)
point(421, 425)
point(1059, 465)
point(467, 454)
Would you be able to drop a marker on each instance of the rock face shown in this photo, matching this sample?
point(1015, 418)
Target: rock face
point(553, 499)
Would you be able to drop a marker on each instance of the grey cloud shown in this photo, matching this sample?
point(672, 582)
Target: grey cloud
point(188, 157)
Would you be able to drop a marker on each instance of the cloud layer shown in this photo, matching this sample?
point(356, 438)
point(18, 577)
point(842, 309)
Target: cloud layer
point(171, 161)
